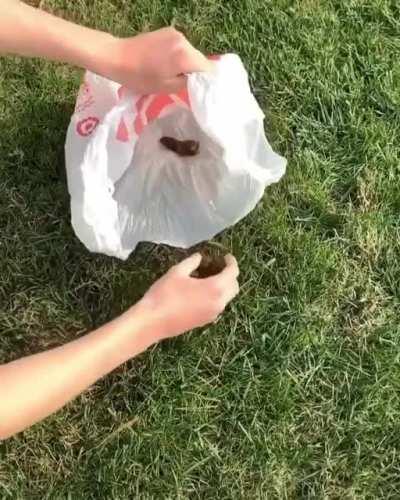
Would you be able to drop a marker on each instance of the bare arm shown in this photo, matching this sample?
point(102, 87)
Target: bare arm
point(32, 388)
point(27, 31)
point(147, 63)
point(35, 386)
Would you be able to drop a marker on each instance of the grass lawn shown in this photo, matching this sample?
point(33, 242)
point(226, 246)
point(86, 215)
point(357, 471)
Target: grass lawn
point(295, 393)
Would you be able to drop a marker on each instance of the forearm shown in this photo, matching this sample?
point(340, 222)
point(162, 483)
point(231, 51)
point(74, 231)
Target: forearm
point(28, 31)
point(32, 388)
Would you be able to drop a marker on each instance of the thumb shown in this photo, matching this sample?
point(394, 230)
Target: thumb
point(187, 266)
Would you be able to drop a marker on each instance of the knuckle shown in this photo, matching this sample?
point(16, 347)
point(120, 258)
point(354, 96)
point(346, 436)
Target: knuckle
point(177, 35)
point(219, 306)
point(169, 30)
point(179, 55)
point(179, 50)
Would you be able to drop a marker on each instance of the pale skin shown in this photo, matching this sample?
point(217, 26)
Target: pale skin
point(33, 387)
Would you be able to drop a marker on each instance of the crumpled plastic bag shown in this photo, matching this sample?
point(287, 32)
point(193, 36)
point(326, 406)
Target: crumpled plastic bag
point(126, 187)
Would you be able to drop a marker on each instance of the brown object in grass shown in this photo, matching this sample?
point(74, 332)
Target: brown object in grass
point(210, 265)
point(181, 148)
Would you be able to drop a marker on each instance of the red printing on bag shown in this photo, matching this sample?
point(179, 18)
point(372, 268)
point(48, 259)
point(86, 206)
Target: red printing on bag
point(122, 132)
point(85, 98)
point(86, 126)
point(151, 107)
point(148, 108)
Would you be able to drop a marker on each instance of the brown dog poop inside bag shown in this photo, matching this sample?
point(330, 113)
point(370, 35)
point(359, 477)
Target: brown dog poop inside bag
point(181, 148)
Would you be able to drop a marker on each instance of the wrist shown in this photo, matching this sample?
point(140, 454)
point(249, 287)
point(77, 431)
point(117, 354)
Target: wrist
point(100, 54)
point(41, 34)
point(139, 328)
point(154, 320)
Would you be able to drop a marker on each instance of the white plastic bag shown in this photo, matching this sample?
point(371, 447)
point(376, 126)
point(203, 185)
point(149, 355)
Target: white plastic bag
point(126, 187)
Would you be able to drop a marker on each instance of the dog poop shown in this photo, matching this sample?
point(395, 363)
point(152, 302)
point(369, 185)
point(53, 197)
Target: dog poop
point(210, 265)
point(181, 148)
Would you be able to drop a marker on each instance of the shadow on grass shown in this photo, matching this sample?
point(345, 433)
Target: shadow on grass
point(50, 282)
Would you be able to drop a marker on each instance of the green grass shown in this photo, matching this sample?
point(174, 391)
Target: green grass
point(295, 393)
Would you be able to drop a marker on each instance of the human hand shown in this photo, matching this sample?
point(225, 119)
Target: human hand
point(179, 303)
point(152, 62)
point(147, 63)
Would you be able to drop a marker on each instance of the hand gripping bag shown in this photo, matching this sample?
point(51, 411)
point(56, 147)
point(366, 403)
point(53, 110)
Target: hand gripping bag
point(126, 187)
